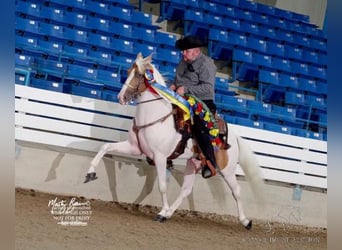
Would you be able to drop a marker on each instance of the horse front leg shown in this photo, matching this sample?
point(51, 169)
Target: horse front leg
point(125, 147)
point(188, 183)
point(160, 163)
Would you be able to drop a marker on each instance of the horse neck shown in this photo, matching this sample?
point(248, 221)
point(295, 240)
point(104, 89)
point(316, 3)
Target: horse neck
point(150, 105)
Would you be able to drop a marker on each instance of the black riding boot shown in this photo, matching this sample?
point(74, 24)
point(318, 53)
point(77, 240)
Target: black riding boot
point(201, 134)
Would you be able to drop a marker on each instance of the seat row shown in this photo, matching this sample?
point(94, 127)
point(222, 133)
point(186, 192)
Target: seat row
point(221, 42)
point(200, 23)
point(129, 30)
point(89, 41)
point(107, 10)
point(244, 11)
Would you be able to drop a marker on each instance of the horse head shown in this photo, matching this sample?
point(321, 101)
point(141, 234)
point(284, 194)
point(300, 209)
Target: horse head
point(141, 73)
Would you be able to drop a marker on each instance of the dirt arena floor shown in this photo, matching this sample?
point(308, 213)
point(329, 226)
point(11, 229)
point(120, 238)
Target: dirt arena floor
point(111, 225)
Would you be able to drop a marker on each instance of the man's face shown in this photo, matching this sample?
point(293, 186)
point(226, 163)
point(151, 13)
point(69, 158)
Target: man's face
point(190, 55)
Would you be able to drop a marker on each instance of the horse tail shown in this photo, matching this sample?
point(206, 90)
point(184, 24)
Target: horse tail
point(250, 166)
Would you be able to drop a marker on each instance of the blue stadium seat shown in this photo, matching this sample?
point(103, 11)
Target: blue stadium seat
point(122, 46)
point(24, 61)
point(316, 102)
point(293, 98)
point(228, 11)
point(53, 31)
point(99, 41)
point(284, 36)
point(52, 67)
point(80, 72)
point(266, 9)
point(262, 60)
point(75, 51)
point(282, 64)
point(249, 28)
point(110, 78)
point(165, 39)
point(87, 90)
point(26, 42)
point(288, 80)
point(260, 18)
point(99, 8)
point(248, 4)
point(122, 30)
point(284, 113)
point(99, 24)
point(243, 14)
point(269, 76)
point(76, 35)
point(310, 56)
point(46, 84)
point(22, 77)
point(120, 13)
point(52, 13)
point(241, 55)
point(143, 34)
point(168, 56)
point(231, 24)
point(27, 25)
point(307, 84)
point(123, 61)
point(317, 71)
point(275, 48)
point(110, 95)
point(28, 8)
point(100, 56)
point(294, 52)
point(302, 39)
point(322, 58)
point(322, 87)
point(51, 47)
point(249, 123)
point(319, 44)
point(75, 19)
point(79, 4)
point(268, 32)
point(257, 44)
point(300, 68)
point(277, 128)
point(309, 134)
point(258, 107)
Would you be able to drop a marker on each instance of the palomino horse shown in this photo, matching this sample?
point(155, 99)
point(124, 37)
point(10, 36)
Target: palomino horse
point(153, 134)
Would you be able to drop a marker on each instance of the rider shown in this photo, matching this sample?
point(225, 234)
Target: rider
point(195, 75)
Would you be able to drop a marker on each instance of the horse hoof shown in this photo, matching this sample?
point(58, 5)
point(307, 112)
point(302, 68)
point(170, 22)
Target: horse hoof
point(160, 218)
point(90, 177)
point(249, 225)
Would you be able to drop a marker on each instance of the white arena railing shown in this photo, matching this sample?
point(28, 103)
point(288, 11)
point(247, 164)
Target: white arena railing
point(76, 122)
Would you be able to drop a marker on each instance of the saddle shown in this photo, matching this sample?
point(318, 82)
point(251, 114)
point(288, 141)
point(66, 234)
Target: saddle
point(184, 128)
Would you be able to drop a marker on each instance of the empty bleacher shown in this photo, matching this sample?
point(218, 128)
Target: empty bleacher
point(84, 47)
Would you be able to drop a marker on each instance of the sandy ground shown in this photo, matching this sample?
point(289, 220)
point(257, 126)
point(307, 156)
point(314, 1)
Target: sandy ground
point(123, 226)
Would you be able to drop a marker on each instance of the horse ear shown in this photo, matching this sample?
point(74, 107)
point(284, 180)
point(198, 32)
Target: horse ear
point(139, 56)
point(149, 58)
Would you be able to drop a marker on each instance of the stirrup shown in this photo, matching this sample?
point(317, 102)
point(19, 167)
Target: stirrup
point(208, 170)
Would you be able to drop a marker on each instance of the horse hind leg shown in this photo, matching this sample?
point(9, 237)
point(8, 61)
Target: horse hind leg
point(119, 147)
point(188, 183)
point(235, 188)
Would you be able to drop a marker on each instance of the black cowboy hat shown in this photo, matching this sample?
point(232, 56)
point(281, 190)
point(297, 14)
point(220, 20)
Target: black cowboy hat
point(189, 42)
